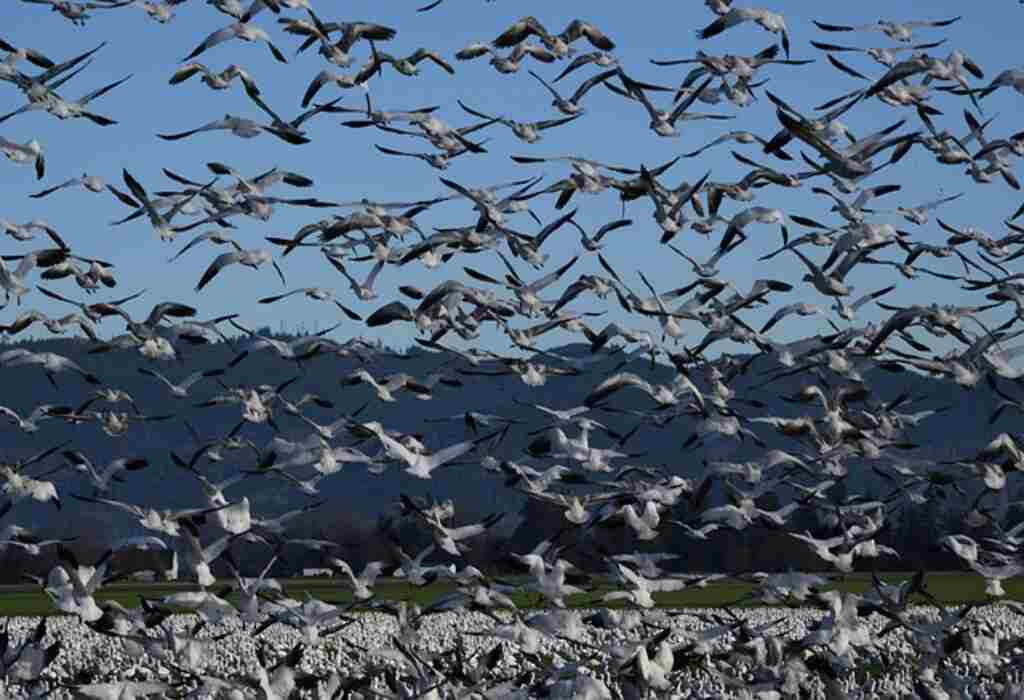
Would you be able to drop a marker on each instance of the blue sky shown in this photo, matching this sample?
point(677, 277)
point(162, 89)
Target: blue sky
point(345, 165)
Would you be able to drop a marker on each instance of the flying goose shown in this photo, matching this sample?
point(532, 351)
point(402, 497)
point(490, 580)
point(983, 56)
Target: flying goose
point(769, 21)
point(26, 153)
point(897, 31)
point(253, 257)
point(509, 63)
point(215, 81)
point(239, 126)
point(91, 183)
point(237, 30)
point(528, 132)
point(572, 106)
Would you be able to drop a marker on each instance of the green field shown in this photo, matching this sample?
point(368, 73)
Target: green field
point(947, 587)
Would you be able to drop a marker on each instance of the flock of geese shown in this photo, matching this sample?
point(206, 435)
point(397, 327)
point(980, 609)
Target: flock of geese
point(572, 462)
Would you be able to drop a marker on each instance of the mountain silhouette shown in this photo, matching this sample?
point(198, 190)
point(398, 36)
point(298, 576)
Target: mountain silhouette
point(960, 427)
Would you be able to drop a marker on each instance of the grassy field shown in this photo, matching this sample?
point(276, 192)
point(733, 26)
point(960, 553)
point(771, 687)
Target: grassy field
point(947, 587)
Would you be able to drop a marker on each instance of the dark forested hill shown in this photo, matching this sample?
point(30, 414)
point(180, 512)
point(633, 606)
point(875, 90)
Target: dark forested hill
point(963, 425)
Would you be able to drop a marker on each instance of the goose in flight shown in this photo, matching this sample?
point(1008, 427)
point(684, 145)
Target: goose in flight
point(345, 81)
point(1013, 77)
point(744, 68)
point(351, 33)
point(388, 386)
point(35, 87)
point(571, 106)
point(18, 487)
point(769, 21)
point(24, 232)
point(848, 312)
point(408, 65)
point(438, 161)
point(450, 539)
point(897, 31)
point(527, 294)
point(919, 214)
point(285, 350)
point(800, 309)
point(102, 479)
point(257, 6)
point(662, 394)
point(252, 257)
point(309, 487)
point(823, 282)
point(158, 10)
point(215, 81)
point(854, 213)
point(237, 30)
point(492, 211)
point(241, 127)
point(54, 325)
point(161, 222)
point(316, 294)
point(435, 3)
point(664, 123)
point(292, 130)
point(854, 161)
point(558, 44)
point(259, 184)
point(363, 290)
point(237, 10)
point(50, 362)
point(827, 127)
point(90, 183)
point(640, 588)
point(181, 389)
point(886, 56)
point(197, 558)
point(217, 237)
point(164, 521)
point(376, 117)
point(16, 54)
point(26, 661)
point(413, 570)
point(422, 465)
point(30, 422)
point(451, 140)
point(949, 69)
point(593, 244)
point(25, 154)
point(738, 224)
point(527, 132)
point(13, 282)
point(71, 586)
point(214, 493)
point(361, 585)
point(744, 137)
point(603, 59)
point(509, 63)
point(78, 12)
point(64, 109)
